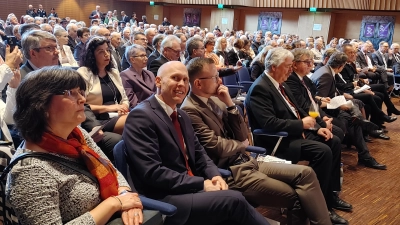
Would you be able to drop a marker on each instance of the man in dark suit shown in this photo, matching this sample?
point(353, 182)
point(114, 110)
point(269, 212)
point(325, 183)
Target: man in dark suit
point(72, 30)
point(45, 55)
point(157, 40)
point(116, 49)
point(384, 60)
point(271, 106)
point(170, 50)
point(395, 47)
point(150, 33)
point(136, 38)
point(222, 131)
point(345, 82)
point(41, 12)
point(325, 87)
point(124, 17)
point(364, 60)
point(168, 163)
point(97, 14)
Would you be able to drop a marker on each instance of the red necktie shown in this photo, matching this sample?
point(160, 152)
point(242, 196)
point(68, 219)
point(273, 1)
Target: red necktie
point(282, 89)
point(174, 117)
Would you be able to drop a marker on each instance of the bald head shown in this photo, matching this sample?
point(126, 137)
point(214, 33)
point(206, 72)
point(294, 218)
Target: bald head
point(172, 83)
point(104, 32)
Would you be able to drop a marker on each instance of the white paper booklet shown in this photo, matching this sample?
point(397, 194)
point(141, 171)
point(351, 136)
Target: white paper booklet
point(361, 89)
point(336, 102)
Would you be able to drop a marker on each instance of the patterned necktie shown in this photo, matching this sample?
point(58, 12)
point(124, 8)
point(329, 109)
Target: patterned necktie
point(174, 117)
point(282, 89)
point(216, 109)
point(308, 92)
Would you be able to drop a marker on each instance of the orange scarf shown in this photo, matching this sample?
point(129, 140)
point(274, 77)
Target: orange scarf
point(75, 147)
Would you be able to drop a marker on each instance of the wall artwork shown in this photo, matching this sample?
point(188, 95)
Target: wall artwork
point(191, 17)
point(270, 21)
point(377, 29)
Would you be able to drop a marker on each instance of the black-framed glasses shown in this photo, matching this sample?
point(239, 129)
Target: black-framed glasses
point(175, 51)
point(308, 62)
point(139, 56)
point(48, 48)
point(72, 93)
point(216, 77)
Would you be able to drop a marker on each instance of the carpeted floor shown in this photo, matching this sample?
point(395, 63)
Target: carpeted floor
point(374, 194)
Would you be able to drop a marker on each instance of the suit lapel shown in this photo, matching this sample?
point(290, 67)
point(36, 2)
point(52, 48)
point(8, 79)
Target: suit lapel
point(139, 78)
point(277, 93)
point(200, 104)
point(160, 112)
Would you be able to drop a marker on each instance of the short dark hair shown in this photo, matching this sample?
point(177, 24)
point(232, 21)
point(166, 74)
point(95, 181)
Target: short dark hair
point(337, 60)
point(81, 31)
point(195, 66)
point(34, 95)
point(88, 59)
point(191, 44)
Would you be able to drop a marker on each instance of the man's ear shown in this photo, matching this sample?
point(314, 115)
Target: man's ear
point(158, 82)
point(196, 84)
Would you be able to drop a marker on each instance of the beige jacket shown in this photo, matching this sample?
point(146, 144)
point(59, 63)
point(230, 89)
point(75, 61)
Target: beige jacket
point(93, 91)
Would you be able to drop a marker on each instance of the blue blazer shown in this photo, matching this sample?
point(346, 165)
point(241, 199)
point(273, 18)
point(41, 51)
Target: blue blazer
point(155, 157)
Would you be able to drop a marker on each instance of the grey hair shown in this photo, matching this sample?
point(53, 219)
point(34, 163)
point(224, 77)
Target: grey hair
point(93, 30)
point(148, 30)
point(191, 44)
point(337, 60)
point(58, 31)
point(217, 46)
point(276, 56)
point(70, 25)
point(31, 40)
point(329, 52)
point(168, 41)
point(299, 52)
point(132, 51)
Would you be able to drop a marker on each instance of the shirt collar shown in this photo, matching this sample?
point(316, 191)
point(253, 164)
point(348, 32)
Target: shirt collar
point(166, 107)
point(33, 65)
point(333, 72)
point(274, 82)
point(300, 77)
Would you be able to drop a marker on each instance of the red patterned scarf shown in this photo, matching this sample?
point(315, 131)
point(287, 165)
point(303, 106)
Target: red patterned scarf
point(75, 147)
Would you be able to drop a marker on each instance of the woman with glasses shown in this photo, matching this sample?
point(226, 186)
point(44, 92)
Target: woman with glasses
point(138, 82)
point(105, 93)
point(209, 47)
point(49, 108)
point(65, 55)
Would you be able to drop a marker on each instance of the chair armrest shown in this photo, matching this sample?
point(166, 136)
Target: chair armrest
point(224, 173)
point(245, 82)
point(234, 86)
point(256, 149)
point(269, 133)
point(164, 208)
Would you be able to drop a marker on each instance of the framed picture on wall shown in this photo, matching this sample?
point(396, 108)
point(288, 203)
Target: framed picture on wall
point(383, 29)
point(191, 17)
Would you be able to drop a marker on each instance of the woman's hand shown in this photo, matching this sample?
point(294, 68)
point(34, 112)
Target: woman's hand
point(121, 109)
point(14, 58)
point(132, 216)
point(16, 79)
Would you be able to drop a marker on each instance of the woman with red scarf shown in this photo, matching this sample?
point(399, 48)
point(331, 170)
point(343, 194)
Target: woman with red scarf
point(49, 108)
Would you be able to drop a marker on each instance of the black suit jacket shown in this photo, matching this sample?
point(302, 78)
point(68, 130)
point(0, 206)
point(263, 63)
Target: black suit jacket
point(149, 50)
point(155, 157)
point(156, 64)
point(42, 13)
point(154, 55)
point(378, 60)
point(9, 30)
point(71, 43)
point(267, 109)
point(125, 19)
point(225, 56)
point(347, 74)
point(232, 57)
point(324, 80)
point(78, 51)
point(361, 59)
point(118, 55)
point(94, 13)
point(257, 68)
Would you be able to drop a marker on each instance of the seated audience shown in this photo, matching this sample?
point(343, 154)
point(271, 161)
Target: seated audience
point(138, 82)
point(220, 49)
point(83, 35)
point(58, 194)
point(72, 36)
point(170, 51)
point(173, 167)
point(65, 55)
point(384, 60)
point(366, 67)
point(209, 45)
point(105, 93)
point(116, 51)
point(157, 40)
point(222, 131)
point(271, 106)
point(395, 47)
point(257, 65)
point(150, 33)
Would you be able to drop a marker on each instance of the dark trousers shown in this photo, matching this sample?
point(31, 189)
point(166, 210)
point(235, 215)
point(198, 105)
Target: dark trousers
point(380, 90)
point(108, 142)
point(374, 102)
point(212, 208)
point(324, 152)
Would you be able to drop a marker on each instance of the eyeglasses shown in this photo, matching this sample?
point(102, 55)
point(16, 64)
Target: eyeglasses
point(308, 62)
point(48, 48)
point(175, 51)
point(139, 56)
point(201, 48)
point(142, 39)
point(215, 78)
point(72, 93)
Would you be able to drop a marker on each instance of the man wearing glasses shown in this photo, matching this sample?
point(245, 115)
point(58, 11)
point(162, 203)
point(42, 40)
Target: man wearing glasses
point(170, 51)
point(222, 131)
point(40, 50)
